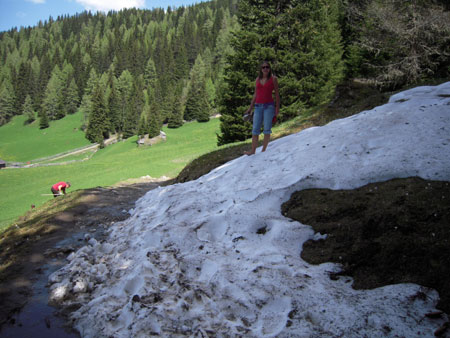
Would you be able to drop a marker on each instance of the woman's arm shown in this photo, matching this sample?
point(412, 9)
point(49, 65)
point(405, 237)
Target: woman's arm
point(61, 189)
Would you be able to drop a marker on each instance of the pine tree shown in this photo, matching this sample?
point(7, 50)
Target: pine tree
point(238, 88)
point(34, 82)
point(176, 118)
point(143, 125)
point(7, 100)
point(71, 100)
point(150, 75)
point(98, 126)
point(181, 59)
point(127, 119)
point(44, 76)
point(154, 124)
point(86, 108)
point(204, 108)
point(314, 66)
point(43, 120)
point(53, 103)
point(197, 105)
point(113, 105)
point(134, 108)
point(130, 124)
point(23, 83)
point(91, 82)
point(210, 92)
point(28, 110)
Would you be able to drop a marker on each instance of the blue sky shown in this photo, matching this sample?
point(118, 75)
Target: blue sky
point(17, 13)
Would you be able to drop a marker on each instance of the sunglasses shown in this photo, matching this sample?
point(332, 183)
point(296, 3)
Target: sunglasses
point(265, 67)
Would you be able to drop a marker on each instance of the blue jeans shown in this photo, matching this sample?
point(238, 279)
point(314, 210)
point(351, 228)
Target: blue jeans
point(263, 112)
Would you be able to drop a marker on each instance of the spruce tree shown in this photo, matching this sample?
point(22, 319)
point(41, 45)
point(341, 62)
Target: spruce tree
point(86, 108)
point(238, 88)
point(23, 83)
point(313, 67)
point(130, 124)
point(143, 125)
point(98, 126)
point(176, 118)
point(34, 84)
point(43, 120)
point(28, 110)
point(127, 116)
point(53, 103)
point(91, 82)
point(154, 123)
point(113, 105)
point(197, 105)
point(204, 108)
point(7, 100)
point(134, 108)
point(181, 58)
point(150, 75)
point(44, 76)
point(71, 100)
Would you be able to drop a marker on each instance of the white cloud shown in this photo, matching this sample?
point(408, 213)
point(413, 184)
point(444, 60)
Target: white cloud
point(107, 5)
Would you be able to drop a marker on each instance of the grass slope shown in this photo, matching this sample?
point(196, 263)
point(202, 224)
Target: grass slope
point(22, 143)
point(119, 162)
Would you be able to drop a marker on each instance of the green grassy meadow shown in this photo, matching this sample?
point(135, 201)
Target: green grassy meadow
point(20, 188)
point(22, 143)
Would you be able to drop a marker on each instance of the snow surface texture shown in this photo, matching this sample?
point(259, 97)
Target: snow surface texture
point(216, 257)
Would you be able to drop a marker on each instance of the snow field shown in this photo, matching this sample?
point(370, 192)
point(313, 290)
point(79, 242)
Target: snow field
point(216, 257)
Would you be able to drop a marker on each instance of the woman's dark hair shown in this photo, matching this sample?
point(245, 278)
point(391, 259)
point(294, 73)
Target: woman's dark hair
point(260, 69)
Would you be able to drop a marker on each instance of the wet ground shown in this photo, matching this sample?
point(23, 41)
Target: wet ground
point(28, 257)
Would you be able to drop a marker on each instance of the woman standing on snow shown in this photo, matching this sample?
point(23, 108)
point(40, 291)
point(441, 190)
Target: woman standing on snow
point(266, 109)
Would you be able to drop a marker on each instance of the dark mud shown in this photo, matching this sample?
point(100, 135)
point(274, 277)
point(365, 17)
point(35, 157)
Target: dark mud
point(383, 233)
point(39, 246)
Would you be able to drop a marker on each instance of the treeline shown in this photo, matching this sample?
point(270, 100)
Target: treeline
point(128, 71)
point(133, 70)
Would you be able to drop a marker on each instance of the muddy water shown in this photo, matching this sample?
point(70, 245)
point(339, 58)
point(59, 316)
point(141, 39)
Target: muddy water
point(96, 210)
point(37, 319)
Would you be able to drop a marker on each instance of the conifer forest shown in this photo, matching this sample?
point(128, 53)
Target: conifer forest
point(131, 71)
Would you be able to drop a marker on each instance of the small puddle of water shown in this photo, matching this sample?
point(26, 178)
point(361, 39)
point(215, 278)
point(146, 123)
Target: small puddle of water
point(37, 319)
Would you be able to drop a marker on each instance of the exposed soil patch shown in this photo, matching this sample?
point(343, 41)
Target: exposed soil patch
point(383, 233)
point(40, 239)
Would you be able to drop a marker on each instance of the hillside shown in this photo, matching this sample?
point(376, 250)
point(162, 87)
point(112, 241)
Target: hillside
point(132, 70)
point(421, 299)
point(23, 187)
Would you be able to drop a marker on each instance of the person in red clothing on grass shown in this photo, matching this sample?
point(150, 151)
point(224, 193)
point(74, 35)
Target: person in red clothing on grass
point(266, 109)
point(60, 188)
